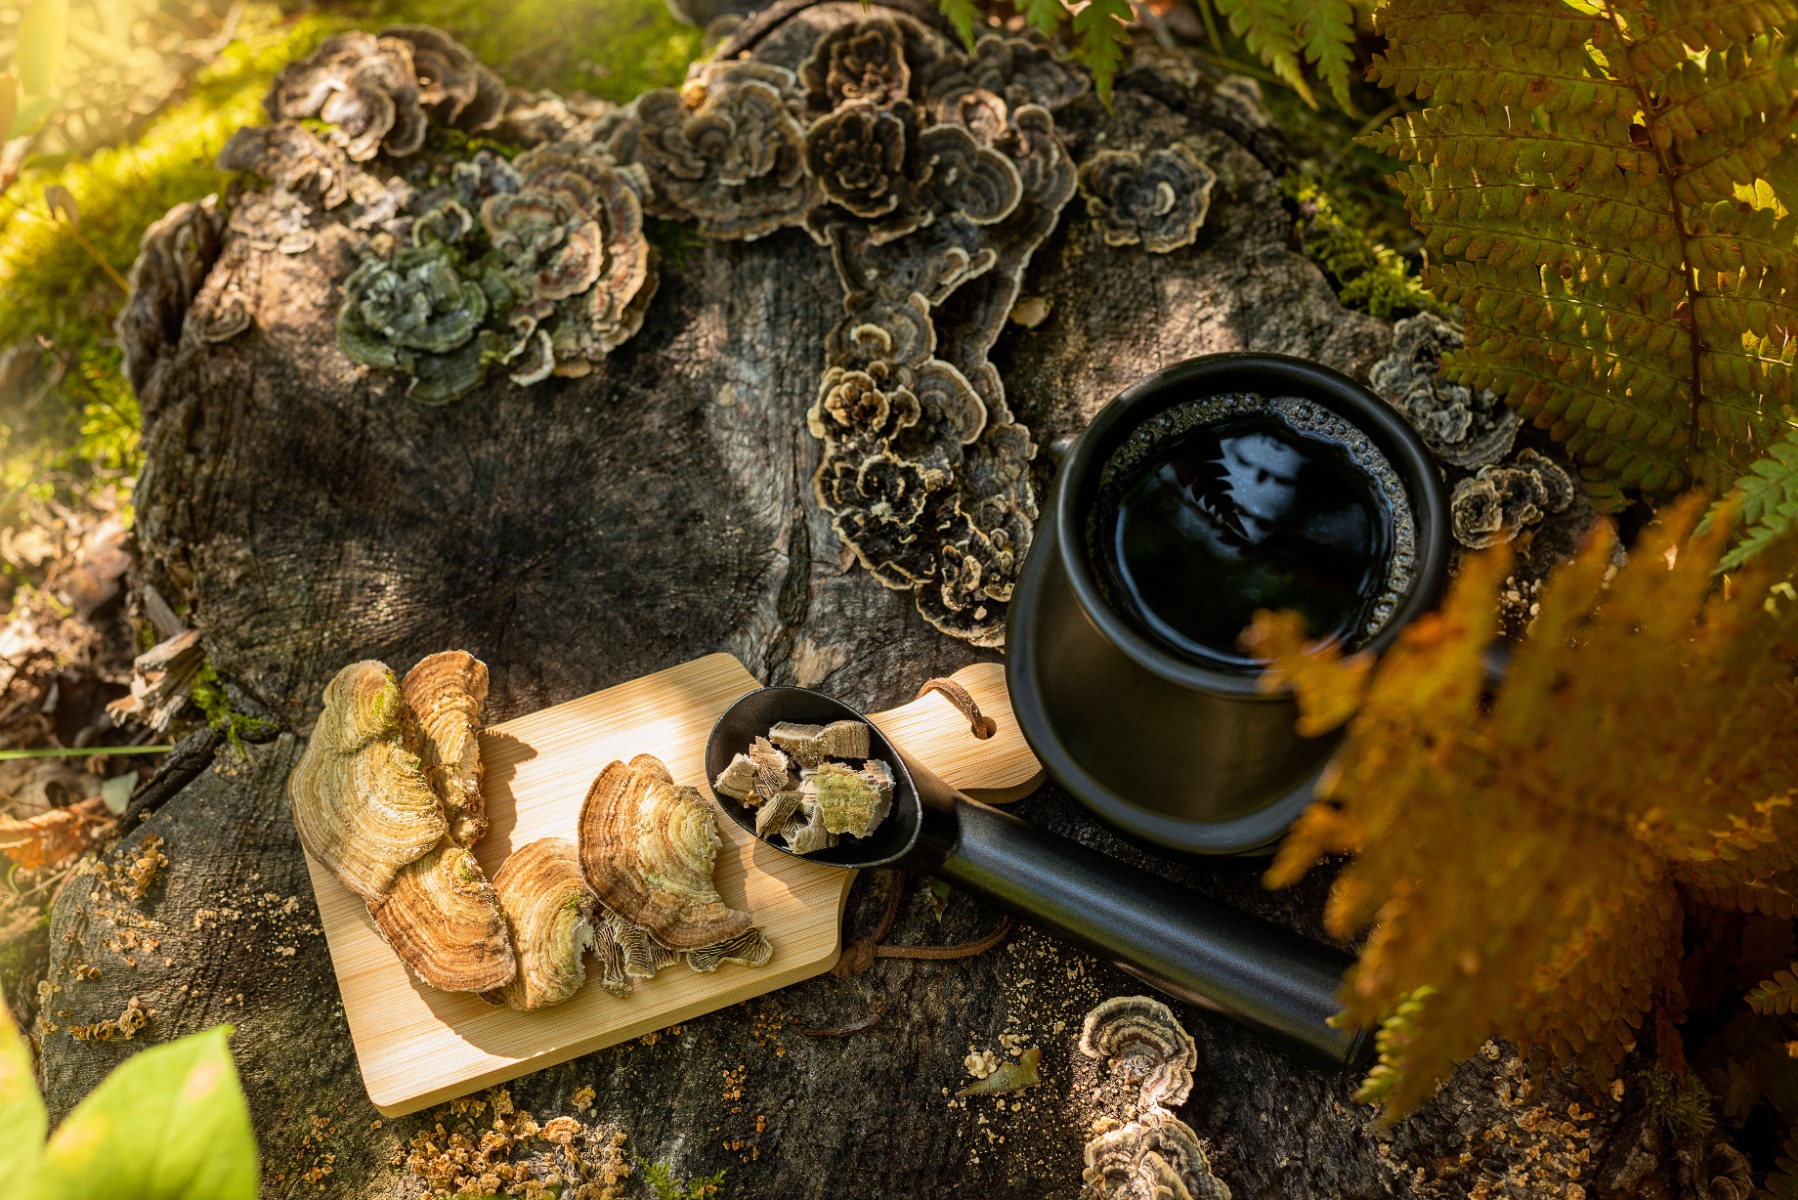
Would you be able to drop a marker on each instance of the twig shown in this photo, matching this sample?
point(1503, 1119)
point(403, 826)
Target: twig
point(965, 950)
point(843, 1031)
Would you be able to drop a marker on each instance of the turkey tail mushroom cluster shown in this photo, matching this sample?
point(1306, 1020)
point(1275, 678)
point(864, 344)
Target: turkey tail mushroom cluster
point(392, 831)
point(1151, 1152)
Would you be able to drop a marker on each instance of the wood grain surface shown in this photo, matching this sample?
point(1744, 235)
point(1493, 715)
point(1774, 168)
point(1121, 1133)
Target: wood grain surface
point(419, 1046)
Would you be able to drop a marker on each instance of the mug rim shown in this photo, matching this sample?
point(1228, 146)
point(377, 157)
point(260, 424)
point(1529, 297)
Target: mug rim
point(1268, 374)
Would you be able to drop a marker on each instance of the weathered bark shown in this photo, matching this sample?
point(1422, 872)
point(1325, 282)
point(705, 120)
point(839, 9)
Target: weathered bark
point(581, 532)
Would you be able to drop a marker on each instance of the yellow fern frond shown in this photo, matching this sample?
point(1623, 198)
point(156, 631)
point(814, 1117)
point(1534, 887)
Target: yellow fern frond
point(1586, 180)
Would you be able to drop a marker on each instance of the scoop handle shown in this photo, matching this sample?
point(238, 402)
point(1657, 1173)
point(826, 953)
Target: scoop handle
point(1177, 941)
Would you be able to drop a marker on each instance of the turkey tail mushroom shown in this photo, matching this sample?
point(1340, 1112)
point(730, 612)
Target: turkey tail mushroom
point(648, 850)
point(367, 810)
point(551, 913)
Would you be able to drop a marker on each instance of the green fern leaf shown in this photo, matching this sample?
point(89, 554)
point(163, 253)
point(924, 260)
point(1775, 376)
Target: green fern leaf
point(1099, 36)
point(1782, 1180)
point(1590, 186)
point(1045, 16)
point(1776, 996)
point(1269, 28)
point(1765, 502)
point(963, 16)
point(1326, 31)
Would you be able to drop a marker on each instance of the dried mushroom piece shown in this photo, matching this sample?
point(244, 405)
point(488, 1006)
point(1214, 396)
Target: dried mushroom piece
point(1463, 426)
point(812, 744)
point(756, 777)
point(774, 815)
point(1159, 199)
point(1156, 1158)
point(550, 912)
point(648, 849)
point(850, 800)
point(1498, 503)
point(443, 920)
point(864, 60)
point(1141, 1037)
point(360, 799)
point(446, 694)
point(726, 150)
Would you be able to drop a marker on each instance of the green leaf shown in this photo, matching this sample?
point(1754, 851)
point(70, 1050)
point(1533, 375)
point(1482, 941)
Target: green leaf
point(43, 33)
point(1269, 28)
point(31, 114)
point(963, 15)
point(1326, 28)
point(21, 1110)
point(1099, 36)
point(1045, 16)
point(168, 1124)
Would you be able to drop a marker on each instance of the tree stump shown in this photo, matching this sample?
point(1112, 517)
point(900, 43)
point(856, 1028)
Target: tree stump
point(581, 532)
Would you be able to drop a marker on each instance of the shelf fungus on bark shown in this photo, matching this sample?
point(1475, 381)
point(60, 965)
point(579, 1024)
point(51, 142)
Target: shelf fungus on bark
point(446, 693)
point(1465, 427)
point(1017, 70)
point(380, 92)
point(1158, 1157)
point(551, 914)
point(1157, 199)
point(361, 802)
point(925, 473)
point(572, 243)
point(1140, 1037)
point(420, 314)
point(1499, 502)
point(442, 918)
point(725, 150)
point(864, 60)
point(648, 848)
point(362, 85)
point(454, 86)
point(290, 156)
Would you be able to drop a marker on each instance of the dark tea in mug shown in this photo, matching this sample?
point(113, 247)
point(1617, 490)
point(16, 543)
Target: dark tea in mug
point(1226, 504)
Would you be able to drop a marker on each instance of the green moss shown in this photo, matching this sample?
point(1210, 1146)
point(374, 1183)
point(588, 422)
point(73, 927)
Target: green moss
point(662, 1181)
point(1367, 276)
point(1680, 1103)
point(209, 697)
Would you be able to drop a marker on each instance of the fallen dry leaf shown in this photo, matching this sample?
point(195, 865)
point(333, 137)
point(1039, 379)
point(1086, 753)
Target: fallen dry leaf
point(51, 837)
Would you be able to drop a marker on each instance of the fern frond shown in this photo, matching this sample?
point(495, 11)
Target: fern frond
point(1270, 30)
point(1589, 181)
point(1099, 36)
point(1527, 858)
point(1044, 16)
point(963, 16)
point(1782, 1181)
point(1777, 996)
point(1326, 33)
point(1765, 502)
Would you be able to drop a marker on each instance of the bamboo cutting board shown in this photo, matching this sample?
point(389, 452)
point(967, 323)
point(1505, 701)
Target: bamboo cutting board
point(418, 1046)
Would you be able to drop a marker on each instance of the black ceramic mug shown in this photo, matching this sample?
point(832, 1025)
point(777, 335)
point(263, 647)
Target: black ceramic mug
point(1178, 752)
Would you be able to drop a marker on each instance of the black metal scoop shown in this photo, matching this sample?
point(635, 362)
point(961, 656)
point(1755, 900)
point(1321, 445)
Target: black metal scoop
point(1184, 944)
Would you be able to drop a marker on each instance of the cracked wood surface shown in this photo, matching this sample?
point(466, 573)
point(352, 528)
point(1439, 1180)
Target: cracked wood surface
point(583, 532)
